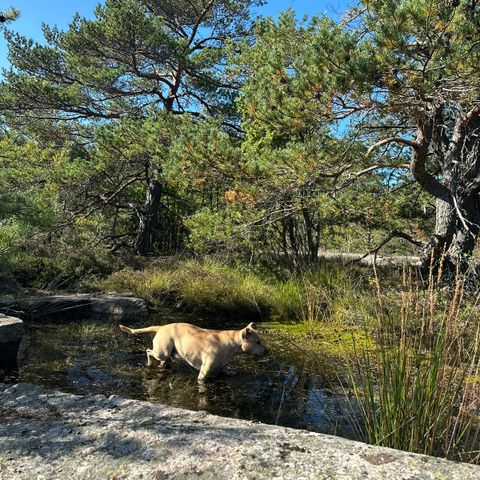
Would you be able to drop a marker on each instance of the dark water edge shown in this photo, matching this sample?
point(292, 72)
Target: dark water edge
point(95, 357)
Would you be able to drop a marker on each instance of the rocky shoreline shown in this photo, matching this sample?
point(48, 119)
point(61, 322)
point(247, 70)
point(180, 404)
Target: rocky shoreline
point(46, 434)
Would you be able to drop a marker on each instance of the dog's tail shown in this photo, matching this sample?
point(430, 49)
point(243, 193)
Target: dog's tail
point(134, 331)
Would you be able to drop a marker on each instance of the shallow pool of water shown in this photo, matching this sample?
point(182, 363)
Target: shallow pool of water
point(94, 356)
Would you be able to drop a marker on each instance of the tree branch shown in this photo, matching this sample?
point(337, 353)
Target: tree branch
point(199, 21)
point(388, 238)
point(472, 114)
point(418, 166)
point(355, 175)
point(385, 141)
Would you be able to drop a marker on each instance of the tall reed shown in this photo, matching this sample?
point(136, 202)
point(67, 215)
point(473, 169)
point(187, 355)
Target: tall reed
point(416, 389)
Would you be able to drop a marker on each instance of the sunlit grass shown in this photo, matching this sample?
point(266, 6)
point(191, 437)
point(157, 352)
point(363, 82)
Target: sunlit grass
point(216, 288)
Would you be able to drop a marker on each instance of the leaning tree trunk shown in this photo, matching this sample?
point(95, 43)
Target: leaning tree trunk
point(454, 238)
point(149, 216)
point(148, 219)
point(457, 222)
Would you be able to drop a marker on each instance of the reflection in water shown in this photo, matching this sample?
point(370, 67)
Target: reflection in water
point(94, 357)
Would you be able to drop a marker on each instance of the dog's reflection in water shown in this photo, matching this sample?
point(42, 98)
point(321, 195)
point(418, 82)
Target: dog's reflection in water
point(177, 387)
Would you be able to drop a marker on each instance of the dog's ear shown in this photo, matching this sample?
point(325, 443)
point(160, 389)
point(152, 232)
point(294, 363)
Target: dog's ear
point(246, 332)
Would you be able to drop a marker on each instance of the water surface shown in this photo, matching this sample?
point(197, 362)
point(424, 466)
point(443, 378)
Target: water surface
point(286, 388)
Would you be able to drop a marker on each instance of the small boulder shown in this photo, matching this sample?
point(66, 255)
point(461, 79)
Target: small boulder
point(11, 332)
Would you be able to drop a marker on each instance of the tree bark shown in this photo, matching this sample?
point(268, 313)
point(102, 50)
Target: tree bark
point(454, 240)
point(445, 225)
point(148, 219)
point(457, 222)
point(464, 240)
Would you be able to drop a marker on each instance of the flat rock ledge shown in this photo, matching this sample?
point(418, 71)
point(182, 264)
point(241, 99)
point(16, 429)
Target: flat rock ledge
point(77, 305)
point(46, 434)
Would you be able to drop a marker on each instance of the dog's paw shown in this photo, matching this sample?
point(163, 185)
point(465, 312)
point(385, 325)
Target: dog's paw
point(229, 371)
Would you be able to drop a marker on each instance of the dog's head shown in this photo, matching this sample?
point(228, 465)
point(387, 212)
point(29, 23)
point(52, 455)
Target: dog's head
point(251, 342)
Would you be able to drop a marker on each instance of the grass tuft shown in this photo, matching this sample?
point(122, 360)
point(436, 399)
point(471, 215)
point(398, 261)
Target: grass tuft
point(414, 389)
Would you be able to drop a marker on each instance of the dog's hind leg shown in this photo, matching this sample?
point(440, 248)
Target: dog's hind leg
point(151, 359)
point(161, 352)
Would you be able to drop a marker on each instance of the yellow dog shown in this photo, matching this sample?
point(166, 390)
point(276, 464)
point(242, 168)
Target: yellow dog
point(206, 350)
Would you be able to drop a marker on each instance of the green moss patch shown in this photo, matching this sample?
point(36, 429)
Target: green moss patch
point(324, 338)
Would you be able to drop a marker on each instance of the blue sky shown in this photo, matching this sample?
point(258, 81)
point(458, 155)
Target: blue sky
point(60, 13)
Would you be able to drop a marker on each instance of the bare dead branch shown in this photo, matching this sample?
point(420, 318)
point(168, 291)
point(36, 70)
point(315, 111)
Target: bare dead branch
point(388, 238)
point(356, 175)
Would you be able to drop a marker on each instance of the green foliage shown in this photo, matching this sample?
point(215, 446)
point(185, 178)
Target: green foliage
point(39, 189)
point(132, 54)
point(291, 180)
point(28, 195)
point(27, 199)
point(56, 263)
point(386, 72)
point(8, 16)
point(115, 78)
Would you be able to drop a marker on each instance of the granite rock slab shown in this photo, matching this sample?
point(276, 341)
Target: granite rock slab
point(46, 434)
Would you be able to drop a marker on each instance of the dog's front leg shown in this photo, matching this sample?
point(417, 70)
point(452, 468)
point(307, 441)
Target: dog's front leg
point(202, 376)
point(206, 370)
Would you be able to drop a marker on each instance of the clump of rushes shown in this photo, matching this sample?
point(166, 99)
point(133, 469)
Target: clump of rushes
point(417, 390)
point(214, 287)
point(314, 305)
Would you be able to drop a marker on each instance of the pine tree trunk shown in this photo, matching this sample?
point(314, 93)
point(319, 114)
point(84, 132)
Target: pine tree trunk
point(148, 219)
point(445, 225)
point(457, 192)
point(463, 242)
point(455, 237)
